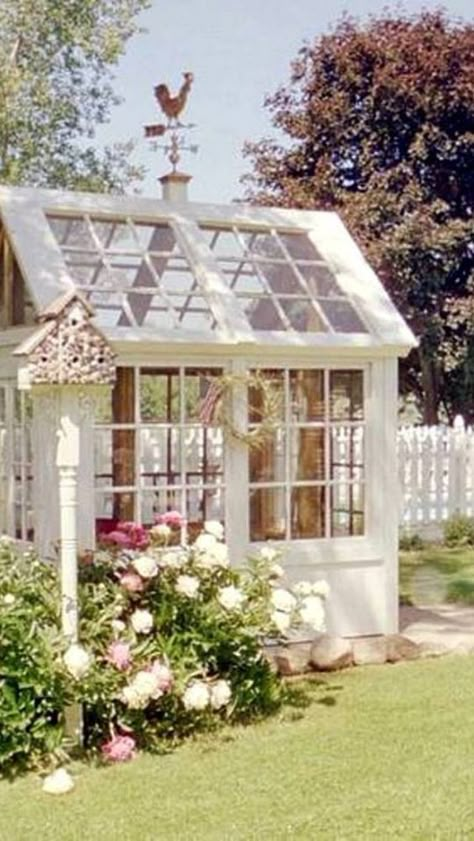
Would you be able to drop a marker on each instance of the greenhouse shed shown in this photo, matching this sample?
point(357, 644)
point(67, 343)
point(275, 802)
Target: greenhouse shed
point(233, 363)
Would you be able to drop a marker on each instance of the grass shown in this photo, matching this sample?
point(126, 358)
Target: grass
point(380, 753)
point(437, 573)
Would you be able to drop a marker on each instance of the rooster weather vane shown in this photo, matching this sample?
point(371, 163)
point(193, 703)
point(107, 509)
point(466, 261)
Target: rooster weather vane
point(172, 107)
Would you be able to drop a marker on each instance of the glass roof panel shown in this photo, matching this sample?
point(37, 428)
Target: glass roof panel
point(287, 273)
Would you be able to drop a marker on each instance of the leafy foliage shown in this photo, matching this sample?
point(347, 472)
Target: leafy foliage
point(377, 123)
point(458, 530)
point(55, 88)
point(171, 642)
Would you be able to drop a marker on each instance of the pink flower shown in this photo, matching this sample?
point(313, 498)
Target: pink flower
point(128, 535)
point(118, 653)
point(132, 582)
point(119, 749)
point(170, 518)
point(118, 538)
point(163, 675)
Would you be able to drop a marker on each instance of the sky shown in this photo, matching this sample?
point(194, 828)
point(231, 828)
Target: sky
point(239, 51)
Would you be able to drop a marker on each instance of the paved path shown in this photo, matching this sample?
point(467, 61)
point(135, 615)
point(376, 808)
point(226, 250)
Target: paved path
point(447, 626)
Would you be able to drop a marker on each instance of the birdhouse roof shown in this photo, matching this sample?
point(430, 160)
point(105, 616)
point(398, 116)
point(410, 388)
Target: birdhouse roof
point(159, 271)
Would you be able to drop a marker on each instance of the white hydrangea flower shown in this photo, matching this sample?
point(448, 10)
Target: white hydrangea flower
point(230, 598)
point(9, 599)
point(6, 540)
point(187, 585)
point(77, 661)
point(173, 559)
point(215, 528)
point(276, 571)
point(205, 543)
point(321, 588)
point(147, 684)
point(133, 698)
point(59, 782)
point(142, 621)
point(303, 588)
point(221, 694)
point(268, 553)
point(196, 696)
point(312, 613)
point(216, 555)
point(283, 600)
point(145, 565)
point(282, 620)
point(118, 626)
point(162, 531)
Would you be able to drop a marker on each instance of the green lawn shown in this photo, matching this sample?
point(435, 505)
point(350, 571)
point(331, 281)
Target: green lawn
point(437, 573)
point(384, 752)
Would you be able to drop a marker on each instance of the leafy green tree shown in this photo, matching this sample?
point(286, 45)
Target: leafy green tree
point(56, 60)
point(377, 123)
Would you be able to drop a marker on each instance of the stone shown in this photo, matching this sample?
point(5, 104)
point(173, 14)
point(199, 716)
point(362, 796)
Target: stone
point(369, 651)
point(433, 649)
point(293, 659)
point(401, 648)
point(329, 653)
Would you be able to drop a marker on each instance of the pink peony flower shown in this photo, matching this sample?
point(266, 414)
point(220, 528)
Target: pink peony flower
point(132, 582)
point(170, 518)
point(118, 653)
point(119, 749)
point(117, 538)
point(163, 675)
point(128, 535)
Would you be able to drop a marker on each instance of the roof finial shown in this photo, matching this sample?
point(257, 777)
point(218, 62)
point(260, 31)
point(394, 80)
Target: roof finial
point(172, 107)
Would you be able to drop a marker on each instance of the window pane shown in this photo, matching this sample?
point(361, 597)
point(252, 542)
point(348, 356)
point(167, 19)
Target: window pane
point(160, 456)
point(300, 246)
point(342, 316)
point(159, 396)
point(267, 514)
point(204, 455)
point(307, 454)
point(201, 394)
point(320, 281)
point(262, 245)
point(347, 510)
point(307, 512)
point(201, 505)
point(281, 278)
point(346, 395)
point(158, 502)
point(307, 395)
point(262, 313)
point(257, 398)
point(267, 463)
point(113, 508)
point(302, 315)
point(347, 446)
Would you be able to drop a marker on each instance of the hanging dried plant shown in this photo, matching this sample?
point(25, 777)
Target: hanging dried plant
point(218, 406)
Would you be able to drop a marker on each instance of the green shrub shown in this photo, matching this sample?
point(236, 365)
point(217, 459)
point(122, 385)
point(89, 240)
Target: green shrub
point(171, 642)
point(458, 530)
point(411, 542)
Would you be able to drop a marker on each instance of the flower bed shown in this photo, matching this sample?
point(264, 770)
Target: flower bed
point(170, 643)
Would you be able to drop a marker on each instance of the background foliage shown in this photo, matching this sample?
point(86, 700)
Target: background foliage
point(377, 123)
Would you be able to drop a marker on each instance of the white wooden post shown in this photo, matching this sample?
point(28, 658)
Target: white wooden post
point(457, 468)
point(67, 461)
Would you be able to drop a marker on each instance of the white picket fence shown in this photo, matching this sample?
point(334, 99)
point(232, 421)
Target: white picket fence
point(436, 472)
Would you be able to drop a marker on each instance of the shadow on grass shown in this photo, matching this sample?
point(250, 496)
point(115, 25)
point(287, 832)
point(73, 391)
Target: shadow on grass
point(308, 690)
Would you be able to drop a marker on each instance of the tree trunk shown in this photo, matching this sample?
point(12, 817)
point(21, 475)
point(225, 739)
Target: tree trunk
point(430, 382)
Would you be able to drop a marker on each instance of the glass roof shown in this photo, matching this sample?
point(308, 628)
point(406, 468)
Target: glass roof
point(134, 273)
point(200, 273)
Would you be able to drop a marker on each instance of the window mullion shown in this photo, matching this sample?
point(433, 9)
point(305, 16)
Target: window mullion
point(288, 454)
point(182, 453)
point(327, 456)
point(138, 445)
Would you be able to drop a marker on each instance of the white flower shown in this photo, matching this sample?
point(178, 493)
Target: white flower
point(145, 565)
point(276, 571)
point(303, 588)
point(162, 531)
point(312, 613)
point(59, 782)
point(134, 699)
point(231, 598)
point(215, 528)
point(196, 696)
point(187, 585)
point(283, 600)
point(268, 553)
point(173, 559)
point(220, 555)
point(205, 542)
point(221, 694)
point(6, 540)
point(142, 621)
point(321, 588)
point(77, 661)
point(9, 599)
point(147, 684)
point(282, 620)
point(118, 626)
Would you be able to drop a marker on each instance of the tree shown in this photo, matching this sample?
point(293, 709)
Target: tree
point(55, 89)
point(377, 123)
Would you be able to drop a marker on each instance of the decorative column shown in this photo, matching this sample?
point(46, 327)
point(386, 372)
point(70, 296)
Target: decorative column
point(65, 361)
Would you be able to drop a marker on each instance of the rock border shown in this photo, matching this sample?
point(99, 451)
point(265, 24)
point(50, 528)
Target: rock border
point(328, 653)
